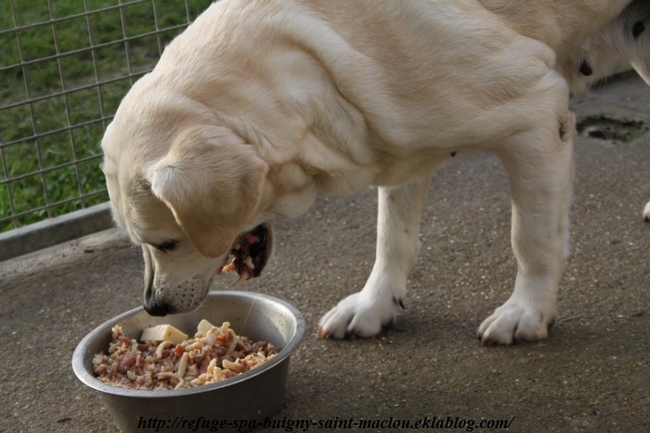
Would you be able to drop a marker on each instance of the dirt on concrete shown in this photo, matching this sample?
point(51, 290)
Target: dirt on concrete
point(591, 375)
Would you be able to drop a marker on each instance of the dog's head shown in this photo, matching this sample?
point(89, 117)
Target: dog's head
point(186, 190)
point(622, 44)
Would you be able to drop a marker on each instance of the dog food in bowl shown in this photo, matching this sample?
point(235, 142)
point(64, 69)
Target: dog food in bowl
point(165, 359)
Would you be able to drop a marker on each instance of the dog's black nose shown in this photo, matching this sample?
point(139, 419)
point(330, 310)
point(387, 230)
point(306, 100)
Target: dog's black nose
point(157, 309)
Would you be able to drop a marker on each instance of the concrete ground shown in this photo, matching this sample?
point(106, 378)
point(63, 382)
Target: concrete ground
point(591, 375)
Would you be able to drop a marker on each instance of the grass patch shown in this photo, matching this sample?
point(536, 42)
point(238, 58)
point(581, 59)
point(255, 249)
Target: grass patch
point(36, 172)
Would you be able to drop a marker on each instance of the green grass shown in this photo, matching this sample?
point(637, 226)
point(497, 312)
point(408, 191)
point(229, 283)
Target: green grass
point(76, 70)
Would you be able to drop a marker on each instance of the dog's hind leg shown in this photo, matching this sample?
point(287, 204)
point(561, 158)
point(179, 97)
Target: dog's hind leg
point(364, 313)
point(540, 166)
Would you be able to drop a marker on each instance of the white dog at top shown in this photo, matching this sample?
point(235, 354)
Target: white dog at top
point(260, 105)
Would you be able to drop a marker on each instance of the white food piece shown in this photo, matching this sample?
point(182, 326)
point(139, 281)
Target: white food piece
point(163, 333)
point(182, 365)
point(204, 326)
point(232, 366)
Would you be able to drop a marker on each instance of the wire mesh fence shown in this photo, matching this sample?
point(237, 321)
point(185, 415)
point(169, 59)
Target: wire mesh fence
point(64, 67)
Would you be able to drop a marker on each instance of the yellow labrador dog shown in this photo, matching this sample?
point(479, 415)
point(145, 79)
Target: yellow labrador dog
point(260, 105)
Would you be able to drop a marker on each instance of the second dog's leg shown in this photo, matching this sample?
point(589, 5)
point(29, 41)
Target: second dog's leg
point(366, 312)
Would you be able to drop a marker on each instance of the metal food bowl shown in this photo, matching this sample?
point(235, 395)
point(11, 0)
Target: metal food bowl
point(234, 404)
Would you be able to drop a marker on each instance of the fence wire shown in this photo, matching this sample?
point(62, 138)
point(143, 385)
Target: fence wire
point(64, 67)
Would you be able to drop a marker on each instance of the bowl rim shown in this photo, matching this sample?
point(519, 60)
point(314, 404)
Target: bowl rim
point(79, 368)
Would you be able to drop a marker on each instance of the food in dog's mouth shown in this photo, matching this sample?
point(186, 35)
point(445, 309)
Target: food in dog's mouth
point(249, 253)
point(214, 354)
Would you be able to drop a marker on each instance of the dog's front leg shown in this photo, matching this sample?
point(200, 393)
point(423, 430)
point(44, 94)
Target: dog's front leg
point(540, 166)
point(364, 313)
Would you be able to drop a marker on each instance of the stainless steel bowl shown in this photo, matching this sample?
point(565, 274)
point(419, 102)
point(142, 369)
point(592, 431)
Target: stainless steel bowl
point(235, 404)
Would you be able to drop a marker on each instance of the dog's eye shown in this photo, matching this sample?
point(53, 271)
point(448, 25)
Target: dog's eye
point(167, 246)
point(638, 29)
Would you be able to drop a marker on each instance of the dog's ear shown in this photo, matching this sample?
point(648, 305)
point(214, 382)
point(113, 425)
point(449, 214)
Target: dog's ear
point(212, 182)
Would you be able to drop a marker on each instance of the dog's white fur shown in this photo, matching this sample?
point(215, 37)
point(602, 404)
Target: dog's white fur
point(259, 105)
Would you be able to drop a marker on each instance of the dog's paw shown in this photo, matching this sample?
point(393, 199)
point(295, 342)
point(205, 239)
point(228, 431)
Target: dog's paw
point(358, 315)
point(513, 322)
point(646, 213)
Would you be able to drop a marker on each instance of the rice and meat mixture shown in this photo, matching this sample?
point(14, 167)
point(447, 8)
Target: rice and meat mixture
point(209, 357)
